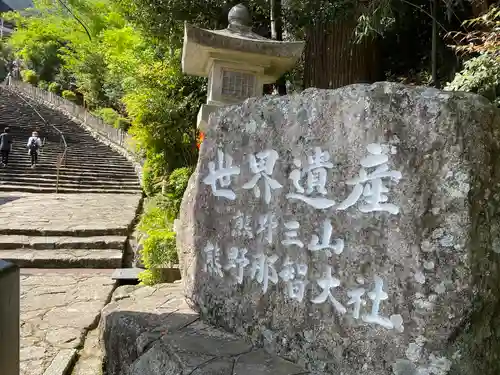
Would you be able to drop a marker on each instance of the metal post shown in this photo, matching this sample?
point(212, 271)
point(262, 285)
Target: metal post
point(58, 165)
point(9, 318)
point(84, 112)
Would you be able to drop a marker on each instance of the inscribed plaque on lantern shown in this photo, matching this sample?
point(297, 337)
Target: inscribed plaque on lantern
point(238, 85)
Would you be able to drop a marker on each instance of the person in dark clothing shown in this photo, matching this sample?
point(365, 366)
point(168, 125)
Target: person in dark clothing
point(5, 146)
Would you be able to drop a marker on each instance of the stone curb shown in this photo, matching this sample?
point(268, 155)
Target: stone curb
point(62, 362)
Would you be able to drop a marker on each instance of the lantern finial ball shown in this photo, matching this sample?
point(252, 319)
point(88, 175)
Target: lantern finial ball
point(239, 16)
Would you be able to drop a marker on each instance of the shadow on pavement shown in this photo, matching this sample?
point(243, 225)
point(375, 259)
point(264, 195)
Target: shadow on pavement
point(5, 200)
point(138, 343)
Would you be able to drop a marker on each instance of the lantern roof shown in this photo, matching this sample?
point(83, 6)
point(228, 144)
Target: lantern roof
point(238, 44)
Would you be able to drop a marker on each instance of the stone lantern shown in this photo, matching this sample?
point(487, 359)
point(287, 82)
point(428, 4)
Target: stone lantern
point(236, 61)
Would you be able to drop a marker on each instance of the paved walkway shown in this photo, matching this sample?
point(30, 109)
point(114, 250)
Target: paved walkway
point(58, 308)
point(49, 213)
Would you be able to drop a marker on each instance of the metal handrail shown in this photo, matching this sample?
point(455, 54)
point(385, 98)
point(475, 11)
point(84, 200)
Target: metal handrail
point(61, 158)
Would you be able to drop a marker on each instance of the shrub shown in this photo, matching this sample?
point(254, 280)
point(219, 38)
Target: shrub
point(176, 185)
point(151, 175)
point(69, 95)
point(480, 75)
point(29, 76)
point(148, 179)
point(108, 115)
point(156, 226)
point(158, 240)
point(44, 85)
point(122, 123)
point(158, 250)
point(55, 87)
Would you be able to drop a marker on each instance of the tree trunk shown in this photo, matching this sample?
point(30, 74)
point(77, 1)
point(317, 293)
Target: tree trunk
point(277, 34)
point(480, 6)
point(332, 58)
point(434, 50)
point(276, 24)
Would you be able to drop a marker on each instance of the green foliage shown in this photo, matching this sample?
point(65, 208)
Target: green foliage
point(5, 57)
point(484, 38)
point(176, 185)
point(122, 123)
point(375, 20)
point(54, 87)
point(29, 76)
point(152, 174)
point(178, 181)
point(157, 239)
point(150, 178)
point(163, 105)
point(69, 95)
point(156, 226)
point(37, 41)
point(44, 85)
point(164, 20)
point(108, 115)
point(158, 251)
point(481, 75)
point(154, 216)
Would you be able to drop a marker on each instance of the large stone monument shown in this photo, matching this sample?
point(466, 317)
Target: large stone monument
point(354, 231)
point(236, 61)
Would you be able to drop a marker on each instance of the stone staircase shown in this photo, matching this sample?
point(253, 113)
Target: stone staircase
point(91, 167)
point(63, 252)
point(87, 225)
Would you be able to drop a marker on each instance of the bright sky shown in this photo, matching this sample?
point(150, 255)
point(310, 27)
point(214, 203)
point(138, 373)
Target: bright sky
point(18, 4)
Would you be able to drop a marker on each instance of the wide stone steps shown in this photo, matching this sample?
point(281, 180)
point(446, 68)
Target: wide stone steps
point(40, 180)
point(90, 166)
point(77, 176)
point(86, 157)
point(75, 148)
point(90, 156)
point(41, 166)
point(67, 186)
point(79, 230)
point(62, 189)
point(78, 233)
point(53, 146)
point(70, 184)
point(63, 251)
point(64, 258)
point(61, 242)
point(75, 168)
point(99, 180)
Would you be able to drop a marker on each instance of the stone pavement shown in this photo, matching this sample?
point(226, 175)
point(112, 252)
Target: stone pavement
point(145, 330)
point(66, 230)
point(152, 331)
point(58, 308)
point(63, 214)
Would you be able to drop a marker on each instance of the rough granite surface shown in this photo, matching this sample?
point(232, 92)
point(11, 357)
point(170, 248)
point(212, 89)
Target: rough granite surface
point(151, 330)
point(407, 282)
